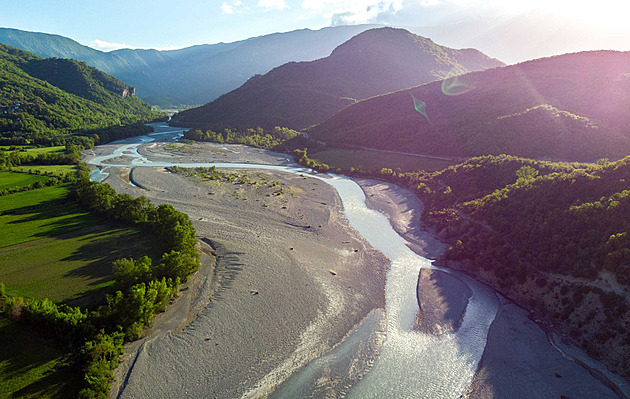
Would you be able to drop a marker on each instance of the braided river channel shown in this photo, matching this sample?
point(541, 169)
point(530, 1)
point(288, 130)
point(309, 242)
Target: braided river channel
point(410, 363)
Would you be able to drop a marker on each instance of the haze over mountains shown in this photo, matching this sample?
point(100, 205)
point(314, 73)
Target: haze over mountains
point(192, 75)
point(298, 95)
point(570, 107)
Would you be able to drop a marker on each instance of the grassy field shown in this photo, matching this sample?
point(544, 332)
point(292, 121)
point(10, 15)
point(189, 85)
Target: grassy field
point(11, 180)
point(40, 213)
point(56, 170)
point(374, 160)
point(76, 267)
point(32, 368)
point(35, 150)
point(51, 247)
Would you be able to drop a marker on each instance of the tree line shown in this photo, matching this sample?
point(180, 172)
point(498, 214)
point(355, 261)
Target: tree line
point(142, 288)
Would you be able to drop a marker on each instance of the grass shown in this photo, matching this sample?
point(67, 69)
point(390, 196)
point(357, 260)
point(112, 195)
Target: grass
point(40, 213)
point(11, 180)
point(51, 247)
point(32, 368)
point(75, 268)
point(25, 149)
point(374, 160)
point(55, 170)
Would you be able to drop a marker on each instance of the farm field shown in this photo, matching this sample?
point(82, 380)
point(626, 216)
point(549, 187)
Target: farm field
point(373, 160)
point(44, 212)
point(75, 267)
point(31, 367)
point(52, 248)
point(12, 180)
point(30, 150)
point(56, 170)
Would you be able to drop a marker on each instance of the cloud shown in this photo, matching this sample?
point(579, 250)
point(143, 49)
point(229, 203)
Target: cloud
point(233, 7)
point(273, 4)
point(360, 11)
point(107, 46)
point(102, 45)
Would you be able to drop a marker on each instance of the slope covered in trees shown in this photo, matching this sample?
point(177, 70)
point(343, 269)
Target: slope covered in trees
point(298, 95)
point(571, 107)
point(555, 237)
point(192, 75)
point(43, 101)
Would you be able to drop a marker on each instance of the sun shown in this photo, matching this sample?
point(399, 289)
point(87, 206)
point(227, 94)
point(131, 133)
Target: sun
point(611, 15)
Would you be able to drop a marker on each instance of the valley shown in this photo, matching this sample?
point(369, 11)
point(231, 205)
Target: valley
point(347, 209)
point(223, 209)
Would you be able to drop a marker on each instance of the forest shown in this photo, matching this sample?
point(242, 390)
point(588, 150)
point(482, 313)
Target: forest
point(554, 237)
point(255, 137)
point(47, 101)
point(568, 107)
point(95, 336)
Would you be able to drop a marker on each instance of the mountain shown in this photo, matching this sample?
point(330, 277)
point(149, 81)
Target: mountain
point(298, 95)
point(554, 237)
point(43, 100)
point(193, 75)
point(571, 107)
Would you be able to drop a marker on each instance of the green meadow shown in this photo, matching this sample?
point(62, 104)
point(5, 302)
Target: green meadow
point(55, 170)
point(31, 367)
point(11, 180)
point(53, 248)
point(45, 212)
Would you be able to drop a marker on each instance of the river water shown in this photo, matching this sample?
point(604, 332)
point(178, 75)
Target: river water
point(410, 363)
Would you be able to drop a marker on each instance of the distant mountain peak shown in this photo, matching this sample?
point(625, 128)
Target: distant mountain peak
point(373, 62)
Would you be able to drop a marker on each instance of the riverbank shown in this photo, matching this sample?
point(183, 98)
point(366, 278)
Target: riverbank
point(518, 360)
point(297, 279)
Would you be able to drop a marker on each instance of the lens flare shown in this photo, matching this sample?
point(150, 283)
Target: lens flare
point(453, 86)
point(420, 106)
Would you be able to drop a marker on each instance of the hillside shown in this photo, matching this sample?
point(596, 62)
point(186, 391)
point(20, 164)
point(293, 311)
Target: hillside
point(298, 95)
point(551, 236)
point(42, 100)
point(570, 107)
point(192, 75)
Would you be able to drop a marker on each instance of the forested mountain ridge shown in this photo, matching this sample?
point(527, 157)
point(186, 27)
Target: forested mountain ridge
point(42, 100)
point(570, 107)
point(554, 237)
point(192, 75)
point(298, 95)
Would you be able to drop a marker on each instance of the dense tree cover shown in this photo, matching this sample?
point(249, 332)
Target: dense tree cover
point(143, 289)
point(569, 107)
point(257, 137)
point(552, 236)
point(298, 95)
point(43, 101)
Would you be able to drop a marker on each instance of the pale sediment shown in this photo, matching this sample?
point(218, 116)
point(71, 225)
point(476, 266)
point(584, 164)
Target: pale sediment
point(278, 306)
point(518, 360)
point(442, 299)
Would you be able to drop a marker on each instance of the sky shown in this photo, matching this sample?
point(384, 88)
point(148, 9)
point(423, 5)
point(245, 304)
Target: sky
point(110, 24)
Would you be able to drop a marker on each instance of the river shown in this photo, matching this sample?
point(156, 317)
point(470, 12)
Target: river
point(410, 363)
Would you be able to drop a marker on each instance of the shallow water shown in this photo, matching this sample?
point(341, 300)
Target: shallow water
point(410, 363)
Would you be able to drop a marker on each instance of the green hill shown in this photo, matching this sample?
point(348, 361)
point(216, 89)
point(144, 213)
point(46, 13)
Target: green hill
point(571, 107)
point(298, 95)
point(45, 100)
point(554, 237)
